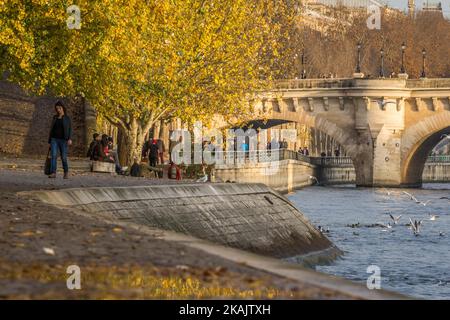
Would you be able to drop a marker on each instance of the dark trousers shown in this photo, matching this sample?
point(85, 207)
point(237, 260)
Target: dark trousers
point(153, 161)
point(61, 145)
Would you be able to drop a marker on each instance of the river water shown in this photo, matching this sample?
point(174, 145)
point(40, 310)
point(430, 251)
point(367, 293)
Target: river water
point(418, 266)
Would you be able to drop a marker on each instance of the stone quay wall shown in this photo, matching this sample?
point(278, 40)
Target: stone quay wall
point(25, 122)
point(250, 217)
point(287, 175)
point(283, 176)
point(345, 174)
point(436, 172)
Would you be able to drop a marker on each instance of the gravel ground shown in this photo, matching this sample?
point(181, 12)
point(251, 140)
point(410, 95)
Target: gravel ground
point(38, 242)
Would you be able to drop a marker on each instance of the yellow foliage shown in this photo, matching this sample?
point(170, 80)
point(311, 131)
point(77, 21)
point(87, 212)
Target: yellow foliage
point(140, 61)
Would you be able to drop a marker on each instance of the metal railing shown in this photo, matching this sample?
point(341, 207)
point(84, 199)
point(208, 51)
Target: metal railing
point(243, 157)
point(339, 83)
point(329, 161)
point(439, 159)
point(264, 156)
point(313, 83)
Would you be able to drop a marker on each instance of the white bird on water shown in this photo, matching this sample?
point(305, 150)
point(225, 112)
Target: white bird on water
point(387, 191)
point(433, 217)
point(314, 178)
point(385, 226)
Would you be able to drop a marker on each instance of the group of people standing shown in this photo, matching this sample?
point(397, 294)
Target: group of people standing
point(337, 154)
point(304, 151)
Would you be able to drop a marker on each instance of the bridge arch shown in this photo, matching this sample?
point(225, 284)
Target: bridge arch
point(417, 143)
point(342, 137)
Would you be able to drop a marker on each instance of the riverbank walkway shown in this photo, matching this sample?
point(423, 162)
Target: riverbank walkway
point(38, 242)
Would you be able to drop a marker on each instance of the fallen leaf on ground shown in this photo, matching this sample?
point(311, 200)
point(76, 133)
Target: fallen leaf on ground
point(182, 267)
point(27, 234)
point(117, 230)
point(49, 251)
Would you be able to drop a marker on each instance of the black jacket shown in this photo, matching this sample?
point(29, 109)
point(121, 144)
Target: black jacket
point(90, 153)
point(67, 123)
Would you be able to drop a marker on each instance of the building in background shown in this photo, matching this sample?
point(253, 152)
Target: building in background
point(432, 7)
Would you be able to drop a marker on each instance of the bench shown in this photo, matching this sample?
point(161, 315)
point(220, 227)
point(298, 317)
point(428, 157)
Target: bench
point(104, 167)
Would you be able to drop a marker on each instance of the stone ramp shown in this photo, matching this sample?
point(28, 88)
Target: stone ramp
point(251, 217)
point(90, 202)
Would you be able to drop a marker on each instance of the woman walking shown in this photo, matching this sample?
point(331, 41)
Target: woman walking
point(60, 138)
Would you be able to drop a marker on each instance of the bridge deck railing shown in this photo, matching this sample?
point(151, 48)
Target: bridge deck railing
point(337, 83)
point(264, 156)
point(439, 159)
point(330, 161)
point(253, 156)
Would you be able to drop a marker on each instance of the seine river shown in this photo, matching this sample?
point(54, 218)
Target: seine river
point(418, 266)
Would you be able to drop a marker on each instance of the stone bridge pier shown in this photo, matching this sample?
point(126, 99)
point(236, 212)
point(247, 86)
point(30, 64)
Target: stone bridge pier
point(387, 126)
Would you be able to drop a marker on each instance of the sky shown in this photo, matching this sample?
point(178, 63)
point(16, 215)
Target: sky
point(403, 4)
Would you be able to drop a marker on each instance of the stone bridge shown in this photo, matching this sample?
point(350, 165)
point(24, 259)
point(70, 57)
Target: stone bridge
point(387, 126)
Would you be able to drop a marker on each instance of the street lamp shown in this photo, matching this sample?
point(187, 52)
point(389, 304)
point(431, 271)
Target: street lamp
point(303, 75)
point(424, 53)
point(402, 70)
point(358, 65)
point(382, 63)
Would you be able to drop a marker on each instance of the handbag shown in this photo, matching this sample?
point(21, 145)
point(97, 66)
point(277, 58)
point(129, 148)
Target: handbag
point(47, 165)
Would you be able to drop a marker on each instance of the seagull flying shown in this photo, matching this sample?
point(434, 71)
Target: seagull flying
point(415, 226)
point(383, 103)
point(395, 219)
point(411, 197)
point(416, 200)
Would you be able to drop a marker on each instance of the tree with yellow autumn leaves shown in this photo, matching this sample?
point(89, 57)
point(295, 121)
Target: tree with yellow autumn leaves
point(140, 61)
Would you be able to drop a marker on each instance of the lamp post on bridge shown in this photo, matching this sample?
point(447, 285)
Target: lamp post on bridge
point(424, 53)
point(358, 64)
point(382, 63)
point(358, 73)
point(303, 74)
point(403, 74)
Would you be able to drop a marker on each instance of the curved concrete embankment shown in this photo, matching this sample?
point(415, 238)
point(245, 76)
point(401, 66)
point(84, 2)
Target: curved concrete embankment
point(251, 217)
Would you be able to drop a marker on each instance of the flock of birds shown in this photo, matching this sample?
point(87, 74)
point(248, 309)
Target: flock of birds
point(414, 225)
